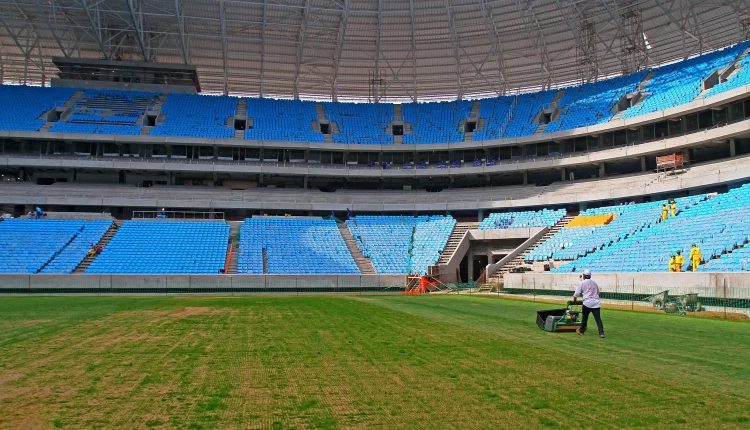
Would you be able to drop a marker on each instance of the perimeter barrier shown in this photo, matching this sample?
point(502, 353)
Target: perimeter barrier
point(711, 292)
point(201, 284)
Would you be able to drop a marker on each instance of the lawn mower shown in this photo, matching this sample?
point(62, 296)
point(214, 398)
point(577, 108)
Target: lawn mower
point(675, 304)
point(566, 319)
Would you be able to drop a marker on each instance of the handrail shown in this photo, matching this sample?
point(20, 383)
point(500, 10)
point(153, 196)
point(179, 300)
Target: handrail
point(229, 256)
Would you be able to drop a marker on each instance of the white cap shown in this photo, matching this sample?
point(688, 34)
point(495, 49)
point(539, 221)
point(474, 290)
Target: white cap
point(587, 272)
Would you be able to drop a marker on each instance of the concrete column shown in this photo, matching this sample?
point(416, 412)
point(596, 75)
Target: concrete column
point(470, 268)
point(524, 150)
point(260, 179)
point(602, 170)
point(643, 164)
point(480, 215)
point(582, 206)
point(563, 173)
point(22, 175)
point(732, 147)
point(169, 151)
point(307, 156)
point(526, 178)
point(261, 154)
point(560, 147)
point(304, 180)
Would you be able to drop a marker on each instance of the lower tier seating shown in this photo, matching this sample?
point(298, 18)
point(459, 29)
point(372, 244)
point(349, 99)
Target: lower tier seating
point(293, 246)
point(165, 247)
point(401, 244)
point(717, 225)
point(49, 246)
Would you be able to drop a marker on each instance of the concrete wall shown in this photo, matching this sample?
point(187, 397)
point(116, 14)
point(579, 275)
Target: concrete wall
point(166, 284)
point(706, 284)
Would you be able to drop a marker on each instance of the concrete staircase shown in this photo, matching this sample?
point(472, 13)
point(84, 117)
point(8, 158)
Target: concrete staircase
point(265, 261)
point(234, 237)
point(363, 263)
point(108, 235)
point(540, 129)
point(731, 75)
point(455, 239)
point(73, 99)
point(333, 128)
point(242, 107)
point(320, 110)
point(475, 109)
point(145, 130)
point(641, 86)
point(397, 112)
point(519, 260)
point(557, 98)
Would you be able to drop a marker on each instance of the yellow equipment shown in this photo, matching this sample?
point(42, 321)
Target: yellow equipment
point(591, 220)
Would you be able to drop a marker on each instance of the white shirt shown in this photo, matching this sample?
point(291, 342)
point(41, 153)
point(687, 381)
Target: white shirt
point(590, 292)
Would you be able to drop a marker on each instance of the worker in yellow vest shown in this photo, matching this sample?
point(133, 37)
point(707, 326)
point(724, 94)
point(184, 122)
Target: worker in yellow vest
point(673, 208)
point(695, 257)
point(679, 261)
point(672, 264)
point(664, 212)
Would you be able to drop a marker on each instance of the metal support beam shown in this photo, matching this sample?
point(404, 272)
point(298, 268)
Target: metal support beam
point(136, 17)
point(454, 45)
point(339, 46)
point(377, 87)
point(222, 15)
point(497, 47)
point(413, 52)
point(96, 27)
point(52, 29)
point(263, 51)
point(25, 49)
point(183, 34)
point(301, 47)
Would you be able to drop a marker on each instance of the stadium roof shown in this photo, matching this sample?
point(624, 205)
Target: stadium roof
point(369, 49)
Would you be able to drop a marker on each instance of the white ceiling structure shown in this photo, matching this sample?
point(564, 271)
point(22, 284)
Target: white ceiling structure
point(389, 50)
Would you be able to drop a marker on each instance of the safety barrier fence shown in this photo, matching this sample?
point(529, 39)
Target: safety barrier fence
point(200, 284)
point(711, 292)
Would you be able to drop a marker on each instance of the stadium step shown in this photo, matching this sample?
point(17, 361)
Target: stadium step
point(363, 263)
point(242, 107)
point(646, 80)
point(73, 99)
point(397, 112)
point(320, 110)
point(265, 261)
point(103, 243)
point(239, 134)
point(455, 239)
point(475, 108)
point(555, 101)
point(234, 237)
point(540, 129)
point(520, 260)
point(145, 130)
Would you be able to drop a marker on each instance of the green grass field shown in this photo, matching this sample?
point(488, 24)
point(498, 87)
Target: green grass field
point(359, 362)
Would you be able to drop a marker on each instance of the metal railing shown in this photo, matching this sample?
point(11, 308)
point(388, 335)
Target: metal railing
point(178, 215)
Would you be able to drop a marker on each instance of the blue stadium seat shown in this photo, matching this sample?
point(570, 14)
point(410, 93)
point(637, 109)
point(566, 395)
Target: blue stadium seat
point(401, 244)
point(165, 247)
point(189, 115)
point(293, 246)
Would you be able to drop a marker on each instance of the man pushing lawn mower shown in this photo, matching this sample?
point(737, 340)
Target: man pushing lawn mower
point(589, 290)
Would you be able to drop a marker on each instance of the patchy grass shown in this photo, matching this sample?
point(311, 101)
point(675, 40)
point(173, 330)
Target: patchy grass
point(378, 361)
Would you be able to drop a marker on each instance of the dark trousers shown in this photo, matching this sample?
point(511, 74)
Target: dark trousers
point(597, 317)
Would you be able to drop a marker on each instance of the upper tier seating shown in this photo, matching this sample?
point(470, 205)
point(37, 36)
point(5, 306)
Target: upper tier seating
point(401, 244)
point(165, 247)
point(742, 77)
point(436, 122)
point(22, 108)
point(496, 112)
point(190, 115)
point(27, 245)
point(107, 112)
point(591, 104)
point(288, 120)
point(293, 246)
point(69, 127)
point(681, 82)
point(543, 218)
point(361, 122)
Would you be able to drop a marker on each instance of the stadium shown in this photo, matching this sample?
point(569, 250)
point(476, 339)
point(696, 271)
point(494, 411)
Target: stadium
point(370, 213)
